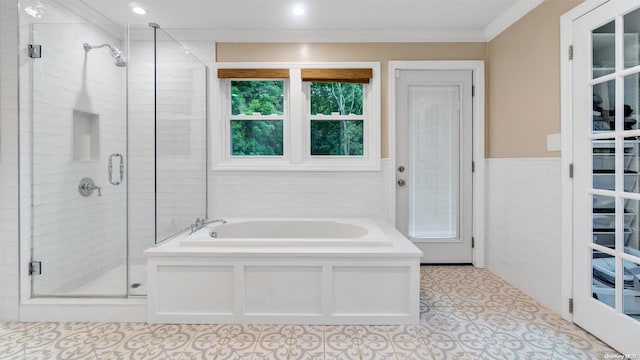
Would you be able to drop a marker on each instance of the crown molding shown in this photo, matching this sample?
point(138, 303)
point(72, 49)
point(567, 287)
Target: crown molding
point(514, 13)
point(326, 35)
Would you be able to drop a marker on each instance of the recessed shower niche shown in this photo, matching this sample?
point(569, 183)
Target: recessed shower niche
point(86, 136)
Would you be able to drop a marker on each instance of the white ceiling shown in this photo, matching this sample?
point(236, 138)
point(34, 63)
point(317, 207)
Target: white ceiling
point(334, 20)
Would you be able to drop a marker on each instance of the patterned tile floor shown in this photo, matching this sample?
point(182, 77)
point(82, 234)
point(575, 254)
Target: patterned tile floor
point(466, 313)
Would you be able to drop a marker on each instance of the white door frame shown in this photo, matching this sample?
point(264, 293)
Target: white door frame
point(477, 67)
point(566, 154)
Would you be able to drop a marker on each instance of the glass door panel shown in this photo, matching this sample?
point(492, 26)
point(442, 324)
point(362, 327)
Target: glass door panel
point(180, 137)
point(141, 174)
point(79, 128)
point(604, 101)
point(604, 278)
point(631, 37)
point(604, 221)
point(435, 162)
point(604, 50)
point(631, 291)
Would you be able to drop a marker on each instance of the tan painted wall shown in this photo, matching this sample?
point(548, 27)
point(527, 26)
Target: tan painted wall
point(524, 83)
point(382, 52)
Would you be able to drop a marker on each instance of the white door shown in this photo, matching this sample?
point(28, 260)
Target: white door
point(434, 159)
point(606, 255)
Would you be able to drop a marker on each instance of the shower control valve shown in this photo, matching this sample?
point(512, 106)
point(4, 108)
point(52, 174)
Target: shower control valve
point(87, 186)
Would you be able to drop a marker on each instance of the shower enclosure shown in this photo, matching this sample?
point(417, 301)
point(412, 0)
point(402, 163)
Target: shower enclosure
point(113, 148)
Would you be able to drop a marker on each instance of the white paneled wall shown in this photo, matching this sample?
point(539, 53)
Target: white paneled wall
point(9, 297)
point(300, 194)
point(523, 225)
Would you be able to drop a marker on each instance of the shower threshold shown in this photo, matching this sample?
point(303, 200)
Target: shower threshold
point(84, 309)
point(110, 283)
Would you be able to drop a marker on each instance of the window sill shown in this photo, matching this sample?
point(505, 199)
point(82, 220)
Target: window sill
point(310, 165)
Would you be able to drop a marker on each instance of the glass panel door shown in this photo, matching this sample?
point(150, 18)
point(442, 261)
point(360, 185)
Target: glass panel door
point(79, 161)
point(606, 183)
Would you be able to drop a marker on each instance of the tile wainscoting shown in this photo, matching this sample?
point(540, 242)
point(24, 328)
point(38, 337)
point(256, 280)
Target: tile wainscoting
point(523, 225)
point(357, 194)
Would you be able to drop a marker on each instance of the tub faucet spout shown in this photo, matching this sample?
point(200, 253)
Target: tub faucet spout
point(200, 223)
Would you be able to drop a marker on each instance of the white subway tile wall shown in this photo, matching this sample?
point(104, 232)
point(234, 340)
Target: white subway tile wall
point(523, 226)
point(9, 297)
point(300, 194)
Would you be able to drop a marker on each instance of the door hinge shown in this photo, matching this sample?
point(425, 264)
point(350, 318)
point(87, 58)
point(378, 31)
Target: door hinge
point(473, 242)
point(571, 171)
point(397, 73)
point(570, 52)
point(35, 51)
point(35, 268)
point(473, 90)
point(570, 306)
point(473, 166)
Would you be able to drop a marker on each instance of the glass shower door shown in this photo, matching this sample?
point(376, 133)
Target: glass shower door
point(79, 145)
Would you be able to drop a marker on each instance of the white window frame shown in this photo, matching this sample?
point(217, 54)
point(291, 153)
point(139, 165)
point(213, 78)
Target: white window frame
point(297, 142)
point(318, 160)
point(228, 117)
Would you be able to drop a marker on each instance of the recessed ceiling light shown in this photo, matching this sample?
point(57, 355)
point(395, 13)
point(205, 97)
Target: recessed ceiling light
point(35, 11)
point(139, 10)
point(298, 10)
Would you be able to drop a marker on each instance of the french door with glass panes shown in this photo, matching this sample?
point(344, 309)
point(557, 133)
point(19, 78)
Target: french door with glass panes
point(606, 208)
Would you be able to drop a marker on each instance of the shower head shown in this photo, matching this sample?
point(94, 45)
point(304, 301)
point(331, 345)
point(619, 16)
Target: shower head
point(115, 53)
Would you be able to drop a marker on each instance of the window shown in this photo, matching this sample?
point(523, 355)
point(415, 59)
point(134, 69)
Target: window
point(257, 118)
point(294, 118)
point(336, 119)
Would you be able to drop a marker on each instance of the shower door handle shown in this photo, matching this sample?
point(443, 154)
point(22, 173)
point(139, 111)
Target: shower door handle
point(110, 167)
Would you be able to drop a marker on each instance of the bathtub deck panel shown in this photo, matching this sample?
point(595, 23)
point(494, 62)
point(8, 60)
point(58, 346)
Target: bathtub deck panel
point(195, 289)
point(283, 290)
point(316, 285)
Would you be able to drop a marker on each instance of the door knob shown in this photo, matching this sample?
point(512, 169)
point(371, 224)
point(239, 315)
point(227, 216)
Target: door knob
point(401, 168)
point(401, 182)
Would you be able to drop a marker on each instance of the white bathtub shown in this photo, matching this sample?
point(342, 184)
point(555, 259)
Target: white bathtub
point(296, 271)
point(290, 233)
